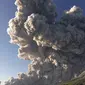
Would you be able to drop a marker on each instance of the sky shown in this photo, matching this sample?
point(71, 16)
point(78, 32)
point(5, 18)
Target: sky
point(10, 64)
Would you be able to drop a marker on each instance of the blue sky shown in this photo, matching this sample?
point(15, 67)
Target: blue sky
point(10, 64)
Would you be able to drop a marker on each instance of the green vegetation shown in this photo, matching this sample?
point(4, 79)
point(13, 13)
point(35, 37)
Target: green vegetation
point(76, 81)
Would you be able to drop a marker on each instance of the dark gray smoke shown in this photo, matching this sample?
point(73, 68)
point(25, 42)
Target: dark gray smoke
point(56, 48)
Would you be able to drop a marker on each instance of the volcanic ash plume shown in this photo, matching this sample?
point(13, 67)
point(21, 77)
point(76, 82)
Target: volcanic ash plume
point(56, 48)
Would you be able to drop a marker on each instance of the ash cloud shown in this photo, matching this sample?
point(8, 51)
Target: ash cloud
point(56, 48)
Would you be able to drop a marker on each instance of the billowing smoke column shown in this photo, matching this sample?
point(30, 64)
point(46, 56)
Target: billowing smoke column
point(56, 48)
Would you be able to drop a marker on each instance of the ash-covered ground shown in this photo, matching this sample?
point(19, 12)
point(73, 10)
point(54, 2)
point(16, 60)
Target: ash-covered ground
point(56, 48)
